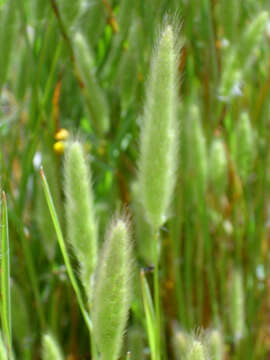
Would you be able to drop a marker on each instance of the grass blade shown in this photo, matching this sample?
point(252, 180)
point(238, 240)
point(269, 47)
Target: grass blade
point(63, 248)
point(150, 315)
point(5, 276)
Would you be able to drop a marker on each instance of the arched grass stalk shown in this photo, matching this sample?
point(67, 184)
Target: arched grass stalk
point(158, 148)
point(112, 289)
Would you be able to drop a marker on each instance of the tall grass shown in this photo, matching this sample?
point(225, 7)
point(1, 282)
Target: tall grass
point(188, 159)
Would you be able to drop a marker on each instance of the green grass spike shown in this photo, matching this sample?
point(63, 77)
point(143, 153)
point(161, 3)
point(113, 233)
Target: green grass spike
point(112, 289)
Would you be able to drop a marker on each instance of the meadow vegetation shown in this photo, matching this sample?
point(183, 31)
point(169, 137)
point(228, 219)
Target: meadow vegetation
point(135, 179)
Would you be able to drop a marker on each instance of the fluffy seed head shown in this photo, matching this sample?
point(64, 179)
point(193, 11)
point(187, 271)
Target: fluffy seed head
point(181, 342)
point(196, 351)
point(215, 345)
point(80, 214)
point(159, 132)
point(252, 36)
point(112, 289)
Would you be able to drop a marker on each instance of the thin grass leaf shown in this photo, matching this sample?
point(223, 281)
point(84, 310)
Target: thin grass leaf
point(64, 249)
point(150, 315)
point(5, 276)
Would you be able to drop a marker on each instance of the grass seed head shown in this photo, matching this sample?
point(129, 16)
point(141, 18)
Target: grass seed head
point(80, 213)
point(112, 289)
point(159, 131)
point(197, 351)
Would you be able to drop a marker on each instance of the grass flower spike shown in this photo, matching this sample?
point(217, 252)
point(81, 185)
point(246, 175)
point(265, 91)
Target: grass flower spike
point(80, 215)
point(216, 345)
point(197, 351)
point(112, 291)
point(159, 132)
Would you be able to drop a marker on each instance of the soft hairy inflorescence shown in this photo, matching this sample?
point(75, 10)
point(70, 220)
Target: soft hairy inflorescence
point(159, 132)
point(197, 351)
point(112, 289)
point(50, 348)
point(80, 214)
point(181, 343)
point(215, 345)
point(240, 57)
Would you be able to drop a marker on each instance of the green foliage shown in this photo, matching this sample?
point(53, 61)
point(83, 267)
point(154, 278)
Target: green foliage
point(109, 71)
point(237, 306)
point(240, 57)
point(50, 349)
point(94, 97)
point(244, 146)
point(7, 33)
point(218, 167)
point(3, 351)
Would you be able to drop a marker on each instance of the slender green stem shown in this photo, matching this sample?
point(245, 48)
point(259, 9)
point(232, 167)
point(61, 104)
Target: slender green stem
point(67, 262)
point(176, 230)
point(157, 294)
point(66, 258)
point(5, 278)
point(149, 314)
